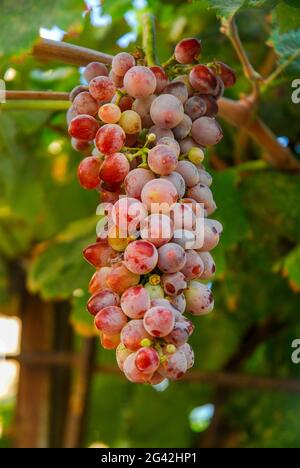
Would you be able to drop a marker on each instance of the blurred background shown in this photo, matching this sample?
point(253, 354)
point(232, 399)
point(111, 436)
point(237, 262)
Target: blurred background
point(57, 387)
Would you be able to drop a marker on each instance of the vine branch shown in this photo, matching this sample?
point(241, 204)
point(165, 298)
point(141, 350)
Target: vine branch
point(149, 40)
point(36, 95)
point(273, 76)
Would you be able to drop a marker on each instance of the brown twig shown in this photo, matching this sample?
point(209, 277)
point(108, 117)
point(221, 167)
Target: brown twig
point(36, 95)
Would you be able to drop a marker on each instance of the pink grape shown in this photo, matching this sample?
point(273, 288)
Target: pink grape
point(88, 172)
point(136, 180)
point(122, 354)
point(102, 88)
point(189, 172)
point(179, 335)
point(166, 111)
point(109, 113)
point(94, 69)
point(205, 177)
point(171, 258)
point(206, 131)
point(118, 81)
point(139, 82)
point(211, 238)
point(184, 238)
point(185, 80)
point(189, 354)
point(161, 78)
point(159, 321)
point(147, 360)
point(102, 299)
point(212, 107)
point(110, 138)
point(182, 216)
point(133, 334)
point(140, 257)
point(162, 160)
point(99, 254)
point(135, 301)
point(157, 229)
point(71, 114)
point(178, 302)
point(173, 283)
point(177, 89)
point(194, 266)
point(220, 89)
point(183, 129)
point(199, 298)
point(195, 107)
point(142, 107)
point(202, 194)
point(161, 132)
point(226, 73)
point(187, 144)
point(173, 144)
point(80, 145)
point(203, 79)
point(119, 278)
point(84, 127)
point(131, 371)
point(175, 366)
point(110, 320)
point(159, 194)
point(188, 50)
point(84, 103)
point(121, 63)
point(209, 265)
point(77, 90)
point(127, 214)
point(98, 280)
point(178, 181)
point(114, 168)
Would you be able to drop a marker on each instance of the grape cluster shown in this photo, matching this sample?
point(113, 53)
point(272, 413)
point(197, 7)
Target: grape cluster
point(143, 130)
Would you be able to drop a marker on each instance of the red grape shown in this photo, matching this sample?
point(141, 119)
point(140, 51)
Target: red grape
point(161, 78)
point(99, 254)
point(131, 122)
point(119, 278)
point(179, 335)
point(114, 168)
point(122, 354)
point(110, 138)
point(171, 258)
point(178, 302)
point(109, 341)
point(175, 366)
point(189, 172)
point(110, 320)
point(140, 257)
point(84, 103)
point(102, 88)
point(102, 299)
point(177, 89)
point(226, 73)
point(178, 181)
point(132, 373)
point(135, 302)
point(188, 50)
point(133, 334)
point(121, 63)
point(140, 82)
point(142, 107)
point(189, 354)
point(194, 266)
point(94, 69)
point(206, 131)
point(203, 79)
point(135, 181)
point(77, 90)
point(88, 172)
point(98, 280)
point(147, 360)
point(195, 107)
point(84, 127)
point(173, 283)
point(182, 130)
point(159, 321)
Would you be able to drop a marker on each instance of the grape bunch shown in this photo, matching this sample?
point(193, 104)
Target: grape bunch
point(143, 131)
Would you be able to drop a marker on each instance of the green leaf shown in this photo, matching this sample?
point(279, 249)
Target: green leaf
point(226, 7)
point(116, 8)
point(81, 320)
point(286, 45)
point(291, 267)
point(26, 17)
point(287, 17)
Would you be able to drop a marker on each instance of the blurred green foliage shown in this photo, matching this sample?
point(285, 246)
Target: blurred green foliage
point(46, 218)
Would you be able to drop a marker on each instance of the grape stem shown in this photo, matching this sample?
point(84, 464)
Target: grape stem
point(149, 39)
point(273, 76)
point(40, 105)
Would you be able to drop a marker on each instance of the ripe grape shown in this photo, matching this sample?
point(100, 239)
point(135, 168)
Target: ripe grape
point(140, 257)
point(98, 280)
point(202, 194)
point(142, 107)
point(175, 366)
point(99, 254)
point(102, 299)
point(127, 214)
point(211, 238)
point(206, 131)
point(173, 144)
point(196, 156)
point(121, 63)
point(179, 335)
point(94, 69)
point(159, 195)
point(183, 129)
point(118, 82)
point(122, 354)
point(157, 229)
point(203, 79)
point(135, 301)
point(83, 127)
point(166, 111)
point(110, 320)
point(109, 341)
point(132, 373)
point(125, 102)
point(161, 132)
point(178, 302)
point(188, 50)
point(187, 144)
point(195, 107)
point(189, 172)
point(114, 168)
point(209, 265)
point(140, 82)
point(155, 292)
point(212, 107)
point(226, 73)
point(131, 122)
point(182, 216)
point(84, 103)
point(102, 88)
point(119, 278)
point(109, 113)
point(205, 177)
point(194, 266)
point(110, 138)
point(117, 239)
point(88, 172)
point(80, 145)
point(220, 89)
point(133, 334)
point(159, 321)
point(199, 298)
point(178, 181)
point(161, 78)
point(184, 238)
point(171, 258)
point(71, 114)
point(185, 80)
point(177, 89)
point(147, 360)
point(75, 91)
point(173, 283)
point(136, 180)
point(162, 160)
point(189, 354)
